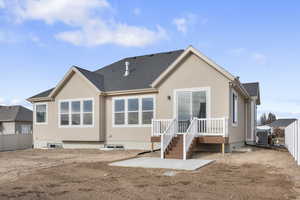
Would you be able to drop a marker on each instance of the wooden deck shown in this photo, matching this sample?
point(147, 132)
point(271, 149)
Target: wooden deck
point(202, 139)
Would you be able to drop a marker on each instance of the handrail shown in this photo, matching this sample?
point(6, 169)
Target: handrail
point(167, 136)
point(188, 137)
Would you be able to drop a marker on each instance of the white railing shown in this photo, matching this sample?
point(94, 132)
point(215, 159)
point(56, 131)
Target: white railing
point(212, 127)
point(188, 137)
point(292, 140)
point(167, 136)
point(159, 126)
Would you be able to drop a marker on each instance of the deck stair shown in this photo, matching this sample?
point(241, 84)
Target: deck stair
point(175, 148)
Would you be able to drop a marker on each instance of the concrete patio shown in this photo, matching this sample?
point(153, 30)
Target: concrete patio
point(152, 162)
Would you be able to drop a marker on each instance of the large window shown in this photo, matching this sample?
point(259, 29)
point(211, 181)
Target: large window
point(41, 113)
point(147, 110)
point(133, 111)
point(76, 113)
point(234, 108)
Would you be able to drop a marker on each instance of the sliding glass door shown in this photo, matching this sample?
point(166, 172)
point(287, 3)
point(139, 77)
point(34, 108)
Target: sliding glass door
point(190, 104)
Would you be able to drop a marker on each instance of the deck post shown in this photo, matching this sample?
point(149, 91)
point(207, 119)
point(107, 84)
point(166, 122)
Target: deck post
point(223, 148)
point(152, 146)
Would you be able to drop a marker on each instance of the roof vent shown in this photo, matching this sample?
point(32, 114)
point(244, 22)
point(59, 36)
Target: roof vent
point(126, 68)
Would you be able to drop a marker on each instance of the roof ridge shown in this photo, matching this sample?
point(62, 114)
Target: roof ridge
point(131, 57)
point(251, 82)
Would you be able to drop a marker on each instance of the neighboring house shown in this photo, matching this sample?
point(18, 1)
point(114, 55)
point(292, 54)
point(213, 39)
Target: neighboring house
point(15, 128)
point(278, 126)
point(281, 123)
point(173, 98)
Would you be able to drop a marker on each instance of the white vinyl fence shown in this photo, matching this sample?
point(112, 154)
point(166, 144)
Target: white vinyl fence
point(292, 140)
point(12, 142)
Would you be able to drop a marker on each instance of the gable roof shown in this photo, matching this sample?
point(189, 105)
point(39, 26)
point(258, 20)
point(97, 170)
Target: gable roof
point(143, 71)
point(186, 52)
point(282, 123)
point(95, 78)
point(253, 90)
point(15, 113)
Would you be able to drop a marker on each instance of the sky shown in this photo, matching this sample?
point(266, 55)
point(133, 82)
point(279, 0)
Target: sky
point(255, 40)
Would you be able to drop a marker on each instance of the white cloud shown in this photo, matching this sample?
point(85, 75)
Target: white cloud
point(88, 27)
point(181, 24)
point(2, 4)
point(119, 34)
point(184, 23)
point(15, 102)
point(2, 101)
point(259, 58)
point(136, 11)
point(236, 52)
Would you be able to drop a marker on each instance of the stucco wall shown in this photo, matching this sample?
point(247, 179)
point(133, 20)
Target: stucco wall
point(194, 73)
point(76, 88)
point(237, 133)
point(128, 136)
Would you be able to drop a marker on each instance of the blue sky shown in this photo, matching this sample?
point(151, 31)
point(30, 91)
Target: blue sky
point(256, 40)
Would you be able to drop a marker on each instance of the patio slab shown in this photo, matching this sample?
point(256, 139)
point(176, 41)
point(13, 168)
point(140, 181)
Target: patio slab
point(151, 162)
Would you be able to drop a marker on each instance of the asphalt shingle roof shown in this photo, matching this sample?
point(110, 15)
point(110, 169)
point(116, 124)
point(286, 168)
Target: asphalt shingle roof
point(252, 88)
point(43, 94)
point(143, 71)
point(281, 123)
point(15, 113)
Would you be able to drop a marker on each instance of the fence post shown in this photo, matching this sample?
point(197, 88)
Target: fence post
point(184, 147)
point(298, 142)
point(162, 146)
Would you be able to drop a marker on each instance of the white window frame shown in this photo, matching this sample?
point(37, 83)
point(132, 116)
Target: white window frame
point(140, 111)
point(81, 100)
point(35, 120)
point(235, 114)
point(200, 89)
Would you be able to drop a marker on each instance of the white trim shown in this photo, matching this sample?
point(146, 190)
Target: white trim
point(34, 116)
point(236, 108)
point(140, 111)
point(66, 77)
point(200, 55)
point(198, 89)
point(81, 100)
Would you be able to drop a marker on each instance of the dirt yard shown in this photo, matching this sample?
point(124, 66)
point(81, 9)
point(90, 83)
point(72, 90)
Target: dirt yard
point(84, 174)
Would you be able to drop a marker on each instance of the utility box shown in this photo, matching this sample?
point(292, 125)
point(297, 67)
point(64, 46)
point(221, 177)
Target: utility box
point(262, 137)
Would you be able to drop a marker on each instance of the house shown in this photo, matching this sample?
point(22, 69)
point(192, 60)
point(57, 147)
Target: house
point(279, 125)
point(173, 100)
point(15, 128)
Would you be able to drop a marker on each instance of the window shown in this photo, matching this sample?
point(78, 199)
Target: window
point(133, 111)
point(87, 112)
point(147, 110)
point(76, 113)
point(41, 113)
point(120, 112)
point(64, 113)
point(234, 108)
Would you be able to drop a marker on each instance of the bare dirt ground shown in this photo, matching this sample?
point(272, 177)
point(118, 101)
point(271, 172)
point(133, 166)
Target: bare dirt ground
point(84, 174)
